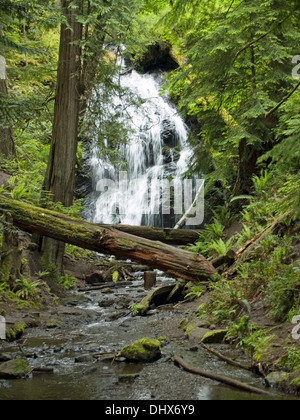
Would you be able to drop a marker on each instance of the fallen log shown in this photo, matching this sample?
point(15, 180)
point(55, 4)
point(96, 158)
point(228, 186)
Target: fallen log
point(109, 285)
point(176, 262)
point(227, 259)
point(42, 370)
point(158, 296)
point(246, 252)
point(254, 242)
point(167, 236)
point(226, 359)
point(220, 378)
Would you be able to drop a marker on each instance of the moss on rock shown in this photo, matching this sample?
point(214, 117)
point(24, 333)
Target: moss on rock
point(144, 350)
point(286, 382)
point(16, 331)
point(53, 323)
point(15, 369)
point(214, 337)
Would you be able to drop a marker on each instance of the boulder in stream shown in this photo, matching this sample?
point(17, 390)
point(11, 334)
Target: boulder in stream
point(15, 369)
point(144, 350)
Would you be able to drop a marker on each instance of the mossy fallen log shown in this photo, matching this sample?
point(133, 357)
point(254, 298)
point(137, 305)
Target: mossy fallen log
point(167, 236)
point(158, 296)
point(176, 262)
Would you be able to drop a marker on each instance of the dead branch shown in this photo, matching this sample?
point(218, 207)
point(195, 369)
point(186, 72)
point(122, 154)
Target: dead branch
point(223, 379)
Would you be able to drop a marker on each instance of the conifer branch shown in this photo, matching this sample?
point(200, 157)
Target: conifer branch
point(251, 43)
point(229, 8)
point(262, 36)
point(286, 98)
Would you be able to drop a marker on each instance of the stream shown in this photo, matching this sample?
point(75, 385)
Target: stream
point(94, 326)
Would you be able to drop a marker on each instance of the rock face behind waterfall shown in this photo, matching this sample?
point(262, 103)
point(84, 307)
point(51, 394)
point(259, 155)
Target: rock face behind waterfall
point(168, 133)
point(156, 151)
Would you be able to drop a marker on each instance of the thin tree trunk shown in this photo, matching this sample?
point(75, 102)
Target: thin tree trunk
point(60, 176)
point(248, 156)
point(7, 146)
point(11, 257)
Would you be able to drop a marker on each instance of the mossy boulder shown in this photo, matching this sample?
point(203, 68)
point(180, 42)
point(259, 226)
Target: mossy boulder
point(195, 329)
point(144, 350)
point(214, 337)
point(274, 378)
point(15, 369)
point(16, 331)
point(286, 382)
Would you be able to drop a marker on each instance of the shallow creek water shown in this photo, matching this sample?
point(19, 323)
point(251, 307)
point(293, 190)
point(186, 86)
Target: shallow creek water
point(87, 329)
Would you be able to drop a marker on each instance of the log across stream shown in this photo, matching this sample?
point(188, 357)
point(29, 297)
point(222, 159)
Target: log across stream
point(175, 262)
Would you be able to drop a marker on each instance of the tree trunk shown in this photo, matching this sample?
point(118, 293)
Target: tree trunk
point(7, 146)
point(173, 261)
point(167, 236)
point(11, 257)
point(60, 176)
point(247, 168)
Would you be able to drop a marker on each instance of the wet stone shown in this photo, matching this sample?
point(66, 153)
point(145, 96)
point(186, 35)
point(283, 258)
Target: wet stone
point(15, 369)
point(85, 358)
point(106, 303)
point(4, 357)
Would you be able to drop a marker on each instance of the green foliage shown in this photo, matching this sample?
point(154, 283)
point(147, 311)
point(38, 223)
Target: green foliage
point(196, 291)
point(291, 361)
point(210, 238)
point(67, 282)
point(271, 274)
point(282, 293)
point(252, 338)
point(27, 289)
point(221, 247)
point(136, 309)
point(238, 331)
point(224, 303)
point(75, 253)
point(115, 276)
point(4, 288)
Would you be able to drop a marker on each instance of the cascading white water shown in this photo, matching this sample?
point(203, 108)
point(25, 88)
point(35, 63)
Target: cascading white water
point(156, 151)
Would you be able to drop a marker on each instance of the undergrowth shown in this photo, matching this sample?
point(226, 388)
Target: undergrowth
point(270, 272)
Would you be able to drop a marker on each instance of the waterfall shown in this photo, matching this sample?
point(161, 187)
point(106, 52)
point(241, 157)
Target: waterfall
point(156, 152)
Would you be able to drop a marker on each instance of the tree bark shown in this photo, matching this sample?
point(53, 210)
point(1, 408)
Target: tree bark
point(248, 156)
point(11, 257)
point(7, 146)
point(60, 176)
point(173, 261)
point(167, 236)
